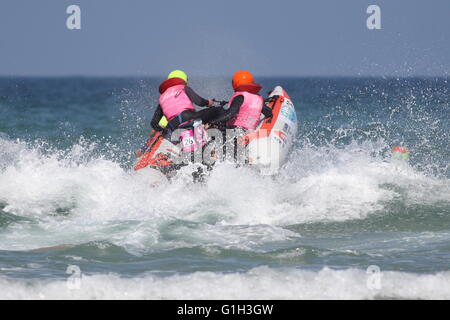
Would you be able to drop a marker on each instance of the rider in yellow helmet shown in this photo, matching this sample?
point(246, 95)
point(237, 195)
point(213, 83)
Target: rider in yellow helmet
point(176, 105)
point(174, 74)
point(177, 101)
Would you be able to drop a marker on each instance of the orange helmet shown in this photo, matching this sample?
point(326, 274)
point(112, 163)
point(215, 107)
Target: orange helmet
point(242, 77)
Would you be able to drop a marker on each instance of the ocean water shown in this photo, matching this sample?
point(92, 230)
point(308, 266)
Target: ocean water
point(342, 220)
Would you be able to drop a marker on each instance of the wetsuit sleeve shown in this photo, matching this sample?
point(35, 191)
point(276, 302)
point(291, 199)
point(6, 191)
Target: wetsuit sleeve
point(232, 110)
point(266, 111)
point(156, 118)
point(195, 98)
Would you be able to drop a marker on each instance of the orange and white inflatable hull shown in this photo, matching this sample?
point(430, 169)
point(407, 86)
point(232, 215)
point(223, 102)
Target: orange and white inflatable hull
point(269, 145)
point(156, 159)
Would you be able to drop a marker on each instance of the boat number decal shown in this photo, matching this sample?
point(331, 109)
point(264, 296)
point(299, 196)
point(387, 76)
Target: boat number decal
point(188, 141)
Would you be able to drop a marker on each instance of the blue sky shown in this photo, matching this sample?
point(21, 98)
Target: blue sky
point(216, 37)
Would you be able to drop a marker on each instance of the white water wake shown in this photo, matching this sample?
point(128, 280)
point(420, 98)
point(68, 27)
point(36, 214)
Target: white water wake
point(258, 283)
point(80, 197)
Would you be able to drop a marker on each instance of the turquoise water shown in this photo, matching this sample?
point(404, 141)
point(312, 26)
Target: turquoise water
point(68, 197)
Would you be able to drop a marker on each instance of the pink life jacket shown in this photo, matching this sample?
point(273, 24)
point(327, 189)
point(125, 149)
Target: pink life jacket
point(250, 111)
point(174, 101)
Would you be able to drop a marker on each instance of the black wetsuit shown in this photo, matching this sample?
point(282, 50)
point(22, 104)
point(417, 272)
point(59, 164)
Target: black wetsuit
point(206, 115)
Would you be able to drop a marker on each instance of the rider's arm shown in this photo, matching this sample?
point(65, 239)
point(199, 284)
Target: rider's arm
point(232, 110)
point(195, 98)
point(156, 118)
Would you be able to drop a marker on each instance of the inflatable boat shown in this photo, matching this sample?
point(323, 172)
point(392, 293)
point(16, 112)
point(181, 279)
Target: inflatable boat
point(267, 147)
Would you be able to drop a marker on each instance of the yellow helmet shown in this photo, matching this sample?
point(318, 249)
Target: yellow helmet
point(178, 74)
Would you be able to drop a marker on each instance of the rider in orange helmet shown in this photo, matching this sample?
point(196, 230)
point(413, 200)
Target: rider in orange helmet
point(246, 105)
